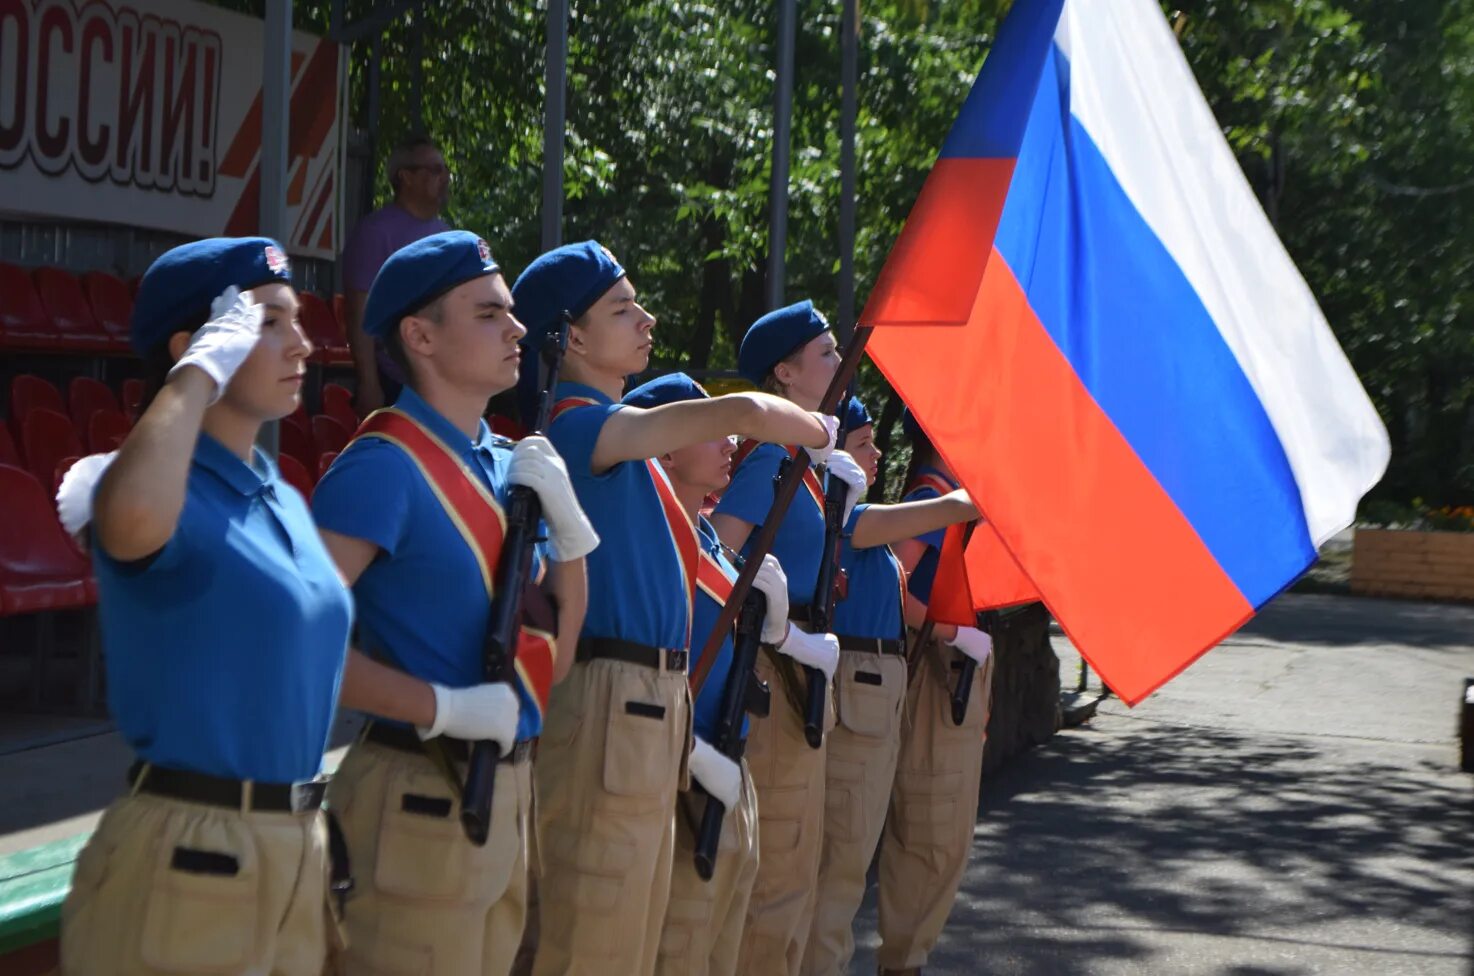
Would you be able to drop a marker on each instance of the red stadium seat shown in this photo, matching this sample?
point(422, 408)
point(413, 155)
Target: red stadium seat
point(295, 442)
point(294, 472)
point(47, 437)
point(8, 454)
point(62, 467)
point(106, 431)
point(132, 397)
point(111, 304)
point(29, 393)
point(325, 462)
point(71, 317)
point(323, 329)
point(506, 427)
point(337, 403)
point(86, 396)
point(329, 434)
point(40, 567)
point(24, 323)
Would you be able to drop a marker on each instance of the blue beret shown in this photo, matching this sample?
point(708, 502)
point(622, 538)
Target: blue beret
point(176, 291)
point(568, 278)
point(418, 273)
point(775, 335)
point(855, 415)
point(671, 388)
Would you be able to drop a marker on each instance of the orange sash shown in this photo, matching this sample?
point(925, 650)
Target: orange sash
point(477, 516)
point(811, 479)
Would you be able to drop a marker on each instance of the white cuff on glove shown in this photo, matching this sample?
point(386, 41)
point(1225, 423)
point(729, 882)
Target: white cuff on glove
point(480, 713)
point(820, 455)
point(812, 650)
point(843, 466)
point(975, 643)
point(773, 584)
point(74, 496)
point(717, 774)
point(224, 342)
point(536, 465)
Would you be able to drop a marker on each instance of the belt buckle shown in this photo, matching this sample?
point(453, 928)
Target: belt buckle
point(675, 660)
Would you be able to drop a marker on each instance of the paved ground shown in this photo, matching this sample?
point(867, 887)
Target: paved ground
point(1290, 805)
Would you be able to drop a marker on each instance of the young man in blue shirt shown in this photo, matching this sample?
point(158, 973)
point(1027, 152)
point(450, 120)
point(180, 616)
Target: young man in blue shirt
point(614, 752)
point(412, 511)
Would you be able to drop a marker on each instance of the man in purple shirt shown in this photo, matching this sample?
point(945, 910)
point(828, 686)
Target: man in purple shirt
point(421, 183)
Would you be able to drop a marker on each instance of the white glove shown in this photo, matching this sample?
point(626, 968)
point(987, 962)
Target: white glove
point(843, 466)
point(717, 774)
point(74, 496)
point(975, 643)
point(480, 713)
point(536, 465)
point(771, 583)
point(812, 650)
point(224, 342)
point(819, 455)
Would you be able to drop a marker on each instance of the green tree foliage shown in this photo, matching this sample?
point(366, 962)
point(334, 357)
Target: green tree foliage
point(1351, 118)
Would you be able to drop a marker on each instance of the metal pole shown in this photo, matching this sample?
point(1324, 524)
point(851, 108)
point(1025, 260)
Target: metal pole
point(276, 110)
point(554, 123)
point(778, 187)
point(849, 61)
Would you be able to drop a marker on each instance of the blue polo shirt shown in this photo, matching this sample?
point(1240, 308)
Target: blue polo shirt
point(920, 582)
point(422, 605)
point(637, 587)
point(799, 543)
point(225, 649)
point(872, 607)
point(709, 703)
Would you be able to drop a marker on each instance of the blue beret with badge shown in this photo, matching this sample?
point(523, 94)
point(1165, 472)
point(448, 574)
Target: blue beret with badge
point(855, 415)
point(774, 336)
point(176, 291)
point(418, 273)
point(670, 388)
point(570, 278)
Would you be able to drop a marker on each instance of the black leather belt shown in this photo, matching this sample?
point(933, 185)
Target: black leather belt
point(613, 649)
point(406, 739)
point(871, 645)
point(216, 791)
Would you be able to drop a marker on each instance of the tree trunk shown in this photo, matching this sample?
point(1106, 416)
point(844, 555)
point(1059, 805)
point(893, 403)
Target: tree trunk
point(1026, 709)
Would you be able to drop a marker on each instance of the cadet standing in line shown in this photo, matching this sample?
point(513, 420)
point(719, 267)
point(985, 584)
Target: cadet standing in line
point(225, 625)
point(704, 920)
point(792, 353)
point(412, 511)
point(613, 752)
point(870, 688)
point(933, 807)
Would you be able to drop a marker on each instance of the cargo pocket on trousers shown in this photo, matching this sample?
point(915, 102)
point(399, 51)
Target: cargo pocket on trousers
point(866, 706)
point(844, 788)
point(390, 959)
point(640, 746)
point(202, 910)
point(780, 811)
point(422, 851)
point(930, 807)
point(591, 865)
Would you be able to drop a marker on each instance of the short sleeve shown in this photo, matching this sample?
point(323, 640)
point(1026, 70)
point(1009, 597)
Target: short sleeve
point(849, 527)
point(750, 495)
point(575, 434)
point(365, 494)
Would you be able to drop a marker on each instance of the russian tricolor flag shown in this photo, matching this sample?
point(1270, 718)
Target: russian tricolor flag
point(1098, 327)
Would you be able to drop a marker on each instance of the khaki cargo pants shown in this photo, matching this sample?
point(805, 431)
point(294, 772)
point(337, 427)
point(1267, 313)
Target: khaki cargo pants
point(426, 901)
point(610, 762)
point(860, 769)
point(248, 893)
point(928, 835)
point(789, 777)
point(704, 920)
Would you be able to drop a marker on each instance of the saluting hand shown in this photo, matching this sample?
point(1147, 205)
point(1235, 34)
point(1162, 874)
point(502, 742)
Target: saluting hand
point(773, 584)
point(224, 342)
point(536, 465)
point(812, 650)
point(480, 713)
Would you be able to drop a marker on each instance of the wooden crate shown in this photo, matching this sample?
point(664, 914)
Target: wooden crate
point(1416, 565)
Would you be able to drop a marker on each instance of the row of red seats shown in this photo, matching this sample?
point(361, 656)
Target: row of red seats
point(52, 310)
point(43, 431)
